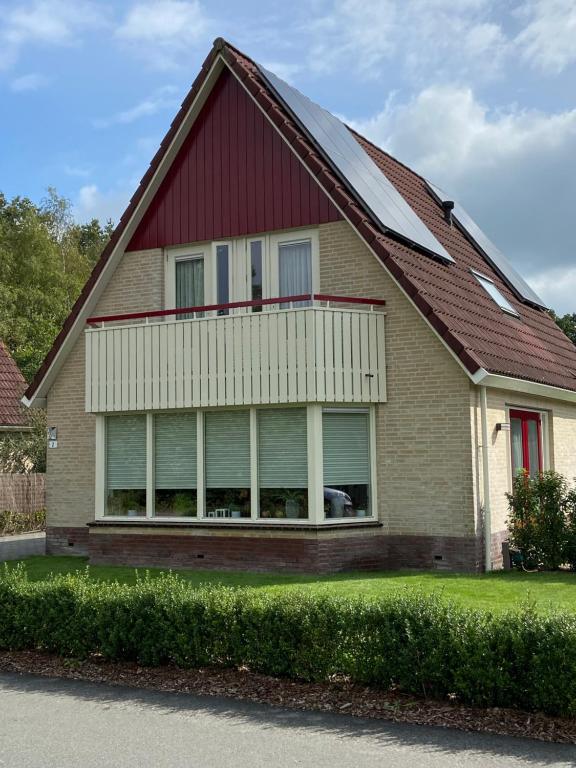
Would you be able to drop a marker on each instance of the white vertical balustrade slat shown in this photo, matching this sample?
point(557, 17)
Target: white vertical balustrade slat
point(302, 355)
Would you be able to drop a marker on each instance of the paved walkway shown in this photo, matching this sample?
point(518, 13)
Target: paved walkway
point(47, 723)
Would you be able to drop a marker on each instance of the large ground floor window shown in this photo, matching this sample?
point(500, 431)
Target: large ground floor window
point(284, 464)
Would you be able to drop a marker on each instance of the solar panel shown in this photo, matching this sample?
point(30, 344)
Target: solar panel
point(490, 252)
point(356, 169)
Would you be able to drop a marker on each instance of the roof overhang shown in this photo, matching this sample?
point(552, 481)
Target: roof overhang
point(484, 378)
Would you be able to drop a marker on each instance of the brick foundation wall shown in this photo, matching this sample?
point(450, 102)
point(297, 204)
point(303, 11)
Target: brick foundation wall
point(312, 552)
point(498, 539)
point(67, 540)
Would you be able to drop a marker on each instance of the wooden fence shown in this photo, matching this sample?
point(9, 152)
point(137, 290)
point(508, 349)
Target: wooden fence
point(22, 493)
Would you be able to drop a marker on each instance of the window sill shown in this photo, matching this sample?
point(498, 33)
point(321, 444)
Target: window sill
point(280, 525)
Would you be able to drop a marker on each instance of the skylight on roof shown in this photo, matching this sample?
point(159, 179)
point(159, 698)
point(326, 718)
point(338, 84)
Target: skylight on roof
point(491, 289)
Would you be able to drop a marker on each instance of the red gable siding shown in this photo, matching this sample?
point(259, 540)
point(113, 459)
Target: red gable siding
point(234, 175)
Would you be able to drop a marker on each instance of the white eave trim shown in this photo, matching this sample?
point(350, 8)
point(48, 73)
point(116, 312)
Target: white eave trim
point(496, 381)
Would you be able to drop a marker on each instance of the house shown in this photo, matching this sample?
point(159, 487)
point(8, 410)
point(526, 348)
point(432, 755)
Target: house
point(296, 353)
point(13, 417)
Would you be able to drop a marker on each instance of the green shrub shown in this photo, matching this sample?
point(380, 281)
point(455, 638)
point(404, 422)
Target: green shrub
point(21, 522)
point(419, 644)
point(570, 553)
point(542, 520)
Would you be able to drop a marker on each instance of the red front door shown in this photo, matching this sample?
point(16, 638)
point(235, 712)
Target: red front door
point(526, 437)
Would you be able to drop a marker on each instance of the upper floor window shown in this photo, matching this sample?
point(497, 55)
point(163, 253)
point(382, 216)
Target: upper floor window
point(242, 269)
point(189, 283)
point(295, 268)
point(494, 293)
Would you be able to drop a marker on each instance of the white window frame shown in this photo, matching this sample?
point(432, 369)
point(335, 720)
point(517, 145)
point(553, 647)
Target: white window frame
point(204, 251)
point(315, 471)
point(239, 265)
point(499, 299)
point(546, 421)
point(271, 286)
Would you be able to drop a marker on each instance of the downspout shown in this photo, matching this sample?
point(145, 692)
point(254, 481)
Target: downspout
point(486, 481)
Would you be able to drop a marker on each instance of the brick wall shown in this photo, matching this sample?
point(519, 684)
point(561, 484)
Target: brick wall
point(559, 439)
point(424, 434)
point(309, 552)
point(137, 284)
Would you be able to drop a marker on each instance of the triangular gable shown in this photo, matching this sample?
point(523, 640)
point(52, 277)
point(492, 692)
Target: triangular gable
point(459, 332)
point(234, 175)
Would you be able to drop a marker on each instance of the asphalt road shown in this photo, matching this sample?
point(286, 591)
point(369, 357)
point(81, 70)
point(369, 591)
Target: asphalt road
point(46, 723)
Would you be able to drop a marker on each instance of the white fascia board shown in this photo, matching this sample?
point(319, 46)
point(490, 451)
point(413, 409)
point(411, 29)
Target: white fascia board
point(496, 381)
point(74, 332)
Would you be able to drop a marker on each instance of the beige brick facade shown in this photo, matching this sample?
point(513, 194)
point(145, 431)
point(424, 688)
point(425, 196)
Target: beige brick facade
point(428, 432)
point(424, 439)
point(136, 285)
point(559, 438)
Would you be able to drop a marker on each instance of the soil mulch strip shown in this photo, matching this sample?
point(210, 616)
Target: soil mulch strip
point(338, 696)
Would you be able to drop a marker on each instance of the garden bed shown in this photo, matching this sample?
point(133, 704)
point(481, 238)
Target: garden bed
point(337, 696)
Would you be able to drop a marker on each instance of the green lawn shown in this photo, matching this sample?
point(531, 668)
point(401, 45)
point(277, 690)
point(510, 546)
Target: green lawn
point(498, 591)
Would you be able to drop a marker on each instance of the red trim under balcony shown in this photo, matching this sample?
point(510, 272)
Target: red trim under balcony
point(321, 297)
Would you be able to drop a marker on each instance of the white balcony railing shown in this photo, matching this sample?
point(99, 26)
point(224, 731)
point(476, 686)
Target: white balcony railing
point(315, 353)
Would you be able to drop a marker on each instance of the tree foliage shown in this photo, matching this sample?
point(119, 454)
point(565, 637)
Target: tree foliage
point(45, 259)
point(567, 323)
point(25, 452)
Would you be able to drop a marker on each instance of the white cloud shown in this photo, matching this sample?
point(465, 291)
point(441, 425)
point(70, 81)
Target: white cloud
point(447, 38)
point(557, 287)
point(46, 22)
point(161, 31)
point(162, 98)
point(93, 203)
point(511, 169)
point(31, 82)
point(548, 41)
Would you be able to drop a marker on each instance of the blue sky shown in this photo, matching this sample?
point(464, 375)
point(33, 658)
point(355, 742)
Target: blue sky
point(478, 95)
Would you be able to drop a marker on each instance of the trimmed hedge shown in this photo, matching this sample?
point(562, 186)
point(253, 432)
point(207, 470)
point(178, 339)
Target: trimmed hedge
point(422, 644)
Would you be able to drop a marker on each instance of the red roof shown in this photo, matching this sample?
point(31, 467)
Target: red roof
point(530, 347)
point(12, 386)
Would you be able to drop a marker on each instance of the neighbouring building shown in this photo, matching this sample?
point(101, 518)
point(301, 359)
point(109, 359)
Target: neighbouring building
point(296, 353)
point(13, 417)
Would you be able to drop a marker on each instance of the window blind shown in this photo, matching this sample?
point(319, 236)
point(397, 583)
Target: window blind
point(227, 449)
point(175, 450)
point(346, 448)
point(126, 452)
point(283, 448)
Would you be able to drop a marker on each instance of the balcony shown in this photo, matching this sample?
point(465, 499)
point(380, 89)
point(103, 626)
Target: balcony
point(306, 349)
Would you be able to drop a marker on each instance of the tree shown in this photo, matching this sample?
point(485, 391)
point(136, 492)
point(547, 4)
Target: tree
point(567, 323)
point(45, 259)
point(24, 452)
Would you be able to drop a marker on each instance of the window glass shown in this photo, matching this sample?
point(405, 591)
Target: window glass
point(295, 269)
point(283, 463)
point(533, 440)
point(126, 466)
point(222, 278)
point(227, 464)
point(346, 453)
point(517, 452)
point(494, 293)
point(256, 272)
point(175, 465)
point(189, 284)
